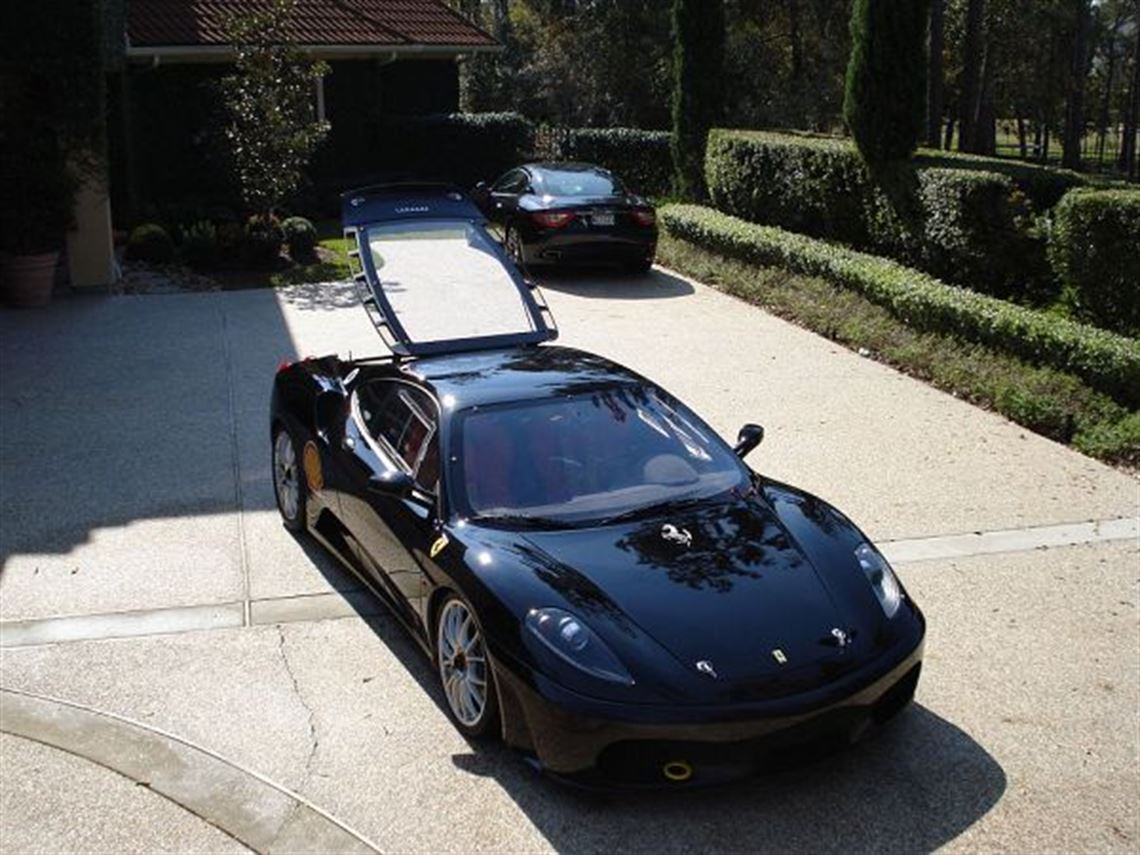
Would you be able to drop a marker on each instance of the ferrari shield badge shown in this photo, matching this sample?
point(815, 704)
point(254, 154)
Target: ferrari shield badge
point(311, 461)
point(437, 547)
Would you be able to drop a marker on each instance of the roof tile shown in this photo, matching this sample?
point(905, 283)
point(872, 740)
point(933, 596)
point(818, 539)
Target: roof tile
point(155, 23)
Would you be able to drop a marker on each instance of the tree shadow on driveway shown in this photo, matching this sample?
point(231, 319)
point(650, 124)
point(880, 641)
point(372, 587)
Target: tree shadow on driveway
point(914, 785)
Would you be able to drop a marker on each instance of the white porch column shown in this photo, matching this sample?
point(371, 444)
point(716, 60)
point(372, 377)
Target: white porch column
point(90, 248)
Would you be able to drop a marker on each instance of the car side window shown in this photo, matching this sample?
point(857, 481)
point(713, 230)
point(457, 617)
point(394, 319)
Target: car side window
point(514, 181)
point(402, 420)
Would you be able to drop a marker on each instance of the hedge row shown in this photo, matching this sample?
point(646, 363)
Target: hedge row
point(1094, 247)
point(1108, 362)
point(968, 226)
point(642, 159)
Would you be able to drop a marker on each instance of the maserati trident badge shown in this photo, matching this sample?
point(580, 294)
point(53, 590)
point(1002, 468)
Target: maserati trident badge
point(676, 535)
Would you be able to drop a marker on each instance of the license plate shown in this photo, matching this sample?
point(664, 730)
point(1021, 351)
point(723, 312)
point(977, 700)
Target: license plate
point(605, 219)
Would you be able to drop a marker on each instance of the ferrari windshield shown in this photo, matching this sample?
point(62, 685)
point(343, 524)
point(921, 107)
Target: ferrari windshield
point(587, 458)
point(444, 281)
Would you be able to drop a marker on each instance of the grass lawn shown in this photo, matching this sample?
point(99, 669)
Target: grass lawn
point(1044, 400)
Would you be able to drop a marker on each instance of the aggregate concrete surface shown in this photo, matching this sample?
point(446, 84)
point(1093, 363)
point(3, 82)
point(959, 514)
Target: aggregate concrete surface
point(135, 479)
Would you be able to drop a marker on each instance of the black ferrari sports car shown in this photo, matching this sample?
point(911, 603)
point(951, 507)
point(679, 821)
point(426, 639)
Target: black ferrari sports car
point(570, 213)
point(597, 577)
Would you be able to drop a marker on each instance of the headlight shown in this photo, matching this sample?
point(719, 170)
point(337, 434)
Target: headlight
point(881, 577)
point(575, 642)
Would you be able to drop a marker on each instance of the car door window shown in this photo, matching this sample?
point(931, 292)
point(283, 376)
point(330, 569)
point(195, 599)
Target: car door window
point(514, 181)
point(402, 421)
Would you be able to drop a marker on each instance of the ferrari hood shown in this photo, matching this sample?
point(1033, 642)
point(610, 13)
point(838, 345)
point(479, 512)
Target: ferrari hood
point(722, 587)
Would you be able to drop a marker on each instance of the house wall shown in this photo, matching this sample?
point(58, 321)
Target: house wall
point(166, 150)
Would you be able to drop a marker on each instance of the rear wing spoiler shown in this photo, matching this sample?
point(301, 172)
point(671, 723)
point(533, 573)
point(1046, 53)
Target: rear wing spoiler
point(406, 201)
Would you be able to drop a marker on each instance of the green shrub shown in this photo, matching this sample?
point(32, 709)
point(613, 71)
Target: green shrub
point(967, 226)
point(199, 247)
point(1094, 247)
point(640, 158)
point(150, 242)
point(301, 238)
point(698, 87)
point(1107, 362)
point(1043, 185)
point(263, 239)
point(458, 147)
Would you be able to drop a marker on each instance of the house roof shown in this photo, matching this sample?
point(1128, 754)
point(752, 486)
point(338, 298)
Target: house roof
point(157, 26)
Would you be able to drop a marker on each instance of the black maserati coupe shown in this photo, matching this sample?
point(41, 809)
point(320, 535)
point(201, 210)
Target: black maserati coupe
point(570, 213)
point(597, 576)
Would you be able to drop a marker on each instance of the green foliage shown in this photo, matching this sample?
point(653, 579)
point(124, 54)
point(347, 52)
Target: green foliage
point(301, 238)
point(273, 129)
point(1094, 247)
point(698, 87)
point(968, 226)
point(263, 240)
point(1107, 362)
point(199, 247)
point(458, 147)
point(885, 98)
point(52, 122)
point(150, 242)
point(640, 158)
point(1050, 402)
point(1043, 185)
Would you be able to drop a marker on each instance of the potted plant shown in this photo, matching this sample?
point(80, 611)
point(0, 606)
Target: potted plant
point(39, 191)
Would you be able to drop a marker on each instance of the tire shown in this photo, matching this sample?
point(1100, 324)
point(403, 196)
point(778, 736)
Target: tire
point(512, 243)
point(289, 487)
point(474, 708)
point(639, 268)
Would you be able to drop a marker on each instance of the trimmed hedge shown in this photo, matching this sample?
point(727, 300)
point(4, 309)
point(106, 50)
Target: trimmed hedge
point(1108, 362)
point(459, 147)
point(642, 159)
point(968, 226)
point(1043, 185)
point(1094, 247)
point(150, 242)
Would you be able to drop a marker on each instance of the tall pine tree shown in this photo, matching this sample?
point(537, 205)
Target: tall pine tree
point(698, 87)
point(885, 103)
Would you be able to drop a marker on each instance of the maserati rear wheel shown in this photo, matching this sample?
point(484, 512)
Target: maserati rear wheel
point(288, 481)
point(464, 670)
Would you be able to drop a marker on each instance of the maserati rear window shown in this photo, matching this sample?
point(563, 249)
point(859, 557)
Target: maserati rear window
point(587, 457)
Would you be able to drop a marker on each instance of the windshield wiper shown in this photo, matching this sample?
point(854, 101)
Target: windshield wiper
point(655, 509)
point(521, 521)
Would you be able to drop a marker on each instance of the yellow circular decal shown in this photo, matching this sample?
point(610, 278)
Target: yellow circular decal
point(311, 460)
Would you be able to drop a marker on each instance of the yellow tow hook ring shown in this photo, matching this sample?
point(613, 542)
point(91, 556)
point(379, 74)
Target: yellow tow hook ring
point(677, 771)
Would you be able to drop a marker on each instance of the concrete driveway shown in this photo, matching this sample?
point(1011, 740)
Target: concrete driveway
point(178, 672)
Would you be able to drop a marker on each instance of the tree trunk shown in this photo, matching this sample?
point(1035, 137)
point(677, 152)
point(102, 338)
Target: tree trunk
point(796, 36)
point(935, 85)
point(1021, 142)
point(1127, 161)
point(949, 134)
point(1110, 77)
point(1075, 111)
point(973, 54)
point(985, 131)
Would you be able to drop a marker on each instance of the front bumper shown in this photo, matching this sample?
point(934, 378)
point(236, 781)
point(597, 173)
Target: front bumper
point(604, 744)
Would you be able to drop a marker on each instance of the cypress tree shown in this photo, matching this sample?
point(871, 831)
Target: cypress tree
point(698, 87)
point(885, 99)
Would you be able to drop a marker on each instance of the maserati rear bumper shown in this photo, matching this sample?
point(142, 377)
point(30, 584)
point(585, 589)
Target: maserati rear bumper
point(604, 744)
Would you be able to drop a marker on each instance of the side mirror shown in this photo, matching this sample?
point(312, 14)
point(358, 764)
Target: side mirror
point(749, 437)
point(329, 416)
point(395, 483)
point(481, 187)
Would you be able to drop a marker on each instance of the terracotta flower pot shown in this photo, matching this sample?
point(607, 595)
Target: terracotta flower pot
point(27, 280)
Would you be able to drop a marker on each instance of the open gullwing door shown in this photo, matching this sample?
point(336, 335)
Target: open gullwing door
point(432, 278)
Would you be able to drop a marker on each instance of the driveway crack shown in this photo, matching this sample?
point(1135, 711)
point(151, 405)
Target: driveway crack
point(314, 739)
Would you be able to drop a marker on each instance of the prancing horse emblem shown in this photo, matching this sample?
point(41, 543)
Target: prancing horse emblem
point(842, 639)
point(676, 535)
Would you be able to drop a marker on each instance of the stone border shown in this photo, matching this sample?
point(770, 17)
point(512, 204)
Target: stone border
point(251, 808)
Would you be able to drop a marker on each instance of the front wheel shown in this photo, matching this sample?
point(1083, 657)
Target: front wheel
point(512, 243)
point(288, 485)
point(464, 670)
